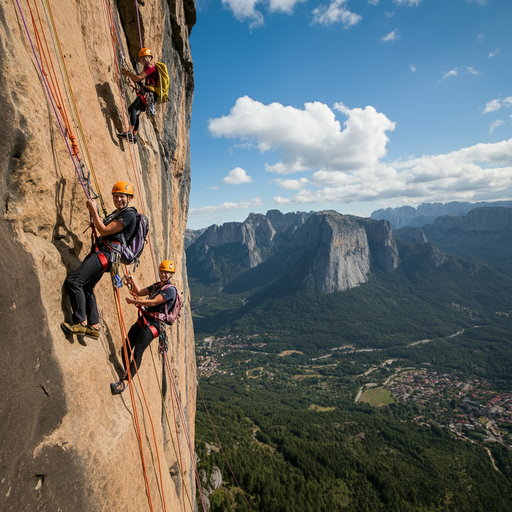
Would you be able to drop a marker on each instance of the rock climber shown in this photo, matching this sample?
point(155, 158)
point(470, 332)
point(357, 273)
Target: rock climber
point(80, 284)
point(148, 325)
point(149, 73)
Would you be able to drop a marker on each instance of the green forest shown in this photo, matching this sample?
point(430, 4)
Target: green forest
point(281, 370)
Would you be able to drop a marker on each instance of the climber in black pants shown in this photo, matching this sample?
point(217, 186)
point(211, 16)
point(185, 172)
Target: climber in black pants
point(161, 296)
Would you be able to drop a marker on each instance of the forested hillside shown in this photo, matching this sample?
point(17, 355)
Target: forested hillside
point(393, 395)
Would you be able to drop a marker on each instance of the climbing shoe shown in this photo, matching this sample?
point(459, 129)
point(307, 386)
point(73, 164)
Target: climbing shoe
point(92, 332)
point(128, 136)
point(117, 387)
point(78, 329)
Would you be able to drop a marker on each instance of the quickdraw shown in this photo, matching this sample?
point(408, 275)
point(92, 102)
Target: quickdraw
point(85, 176)
point(163, 346)
point(114, 271)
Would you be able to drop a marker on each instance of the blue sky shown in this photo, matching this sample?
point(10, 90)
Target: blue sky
point(351, 105)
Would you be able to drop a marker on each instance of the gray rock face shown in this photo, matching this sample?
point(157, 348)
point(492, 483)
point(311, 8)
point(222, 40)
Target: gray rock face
point(411, 234)
point(484, 232)
point(191, 235)
point(323, 251)
point(383, 251)
point(338, 253)
point(427, 213)
point(257, 232)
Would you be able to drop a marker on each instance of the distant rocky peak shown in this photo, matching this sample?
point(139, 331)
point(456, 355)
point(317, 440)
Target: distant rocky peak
point(323, 251)
point(427, 213)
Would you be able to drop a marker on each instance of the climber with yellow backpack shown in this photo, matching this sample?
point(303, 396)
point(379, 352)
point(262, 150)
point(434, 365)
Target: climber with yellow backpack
point(156, 84)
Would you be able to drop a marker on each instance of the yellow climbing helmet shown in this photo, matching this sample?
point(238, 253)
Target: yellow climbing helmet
point(145, 51)
point(122, 187)
point(167, 266)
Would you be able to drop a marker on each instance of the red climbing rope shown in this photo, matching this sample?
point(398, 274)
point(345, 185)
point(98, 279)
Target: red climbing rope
point(124, 335)
point(138, 23)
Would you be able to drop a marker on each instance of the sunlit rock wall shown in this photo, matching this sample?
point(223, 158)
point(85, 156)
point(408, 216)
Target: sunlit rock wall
point(66, 443)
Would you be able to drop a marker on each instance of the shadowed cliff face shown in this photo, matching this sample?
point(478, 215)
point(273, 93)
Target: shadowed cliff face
point(484, 232)
point(66, 443)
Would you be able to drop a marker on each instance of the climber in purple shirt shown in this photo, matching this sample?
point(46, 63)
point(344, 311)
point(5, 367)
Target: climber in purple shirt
point(161, 296)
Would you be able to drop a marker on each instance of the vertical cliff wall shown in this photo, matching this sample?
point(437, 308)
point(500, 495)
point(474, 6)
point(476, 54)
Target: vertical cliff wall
point(66, 443)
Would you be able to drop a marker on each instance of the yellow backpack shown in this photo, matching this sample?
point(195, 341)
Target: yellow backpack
point(162, 88)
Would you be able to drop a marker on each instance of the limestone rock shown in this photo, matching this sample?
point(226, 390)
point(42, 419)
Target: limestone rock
point(66, 443)
point(323, 251)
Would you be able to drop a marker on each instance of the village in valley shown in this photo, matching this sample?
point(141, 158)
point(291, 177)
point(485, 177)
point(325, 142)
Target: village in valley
point(469, 407)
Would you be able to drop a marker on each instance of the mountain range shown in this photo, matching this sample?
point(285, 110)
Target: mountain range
point(427, 213)
point(328, 252)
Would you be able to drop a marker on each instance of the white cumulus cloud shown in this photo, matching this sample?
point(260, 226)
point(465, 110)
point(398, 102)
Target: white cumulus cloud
point(455, 72)
point(473, 71)
point(310, 138)
point(285, 6)
point(493, 53)
point(483, 171)
point(413, 68)
point(245, 10)
point(493, 105)
point(452, 72)
point(226, 207)
point(237, 176)
point(336, 12)
point(292, 184)
point(392, 36)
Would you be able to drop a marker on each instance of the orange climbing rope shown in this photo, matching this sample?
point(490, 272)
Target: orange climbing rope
point(124, 335)
point(183, 420)
point(132, 396)
point(178, 451)
point(74, 103)
point(54, 84)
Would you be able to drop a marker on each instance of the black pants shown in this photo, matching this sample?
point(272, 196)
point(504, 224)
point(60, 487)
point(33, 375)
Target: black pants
point(134, 110)
point(80, 285)
point(139, 339)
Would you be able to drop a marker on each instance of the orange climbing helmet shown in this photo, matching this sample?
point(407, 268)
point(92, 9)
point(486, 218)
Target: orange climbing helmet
point(167, 266)
point(122, 187)
point(144, 52)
